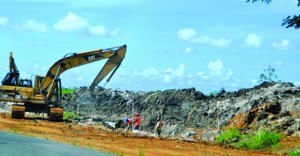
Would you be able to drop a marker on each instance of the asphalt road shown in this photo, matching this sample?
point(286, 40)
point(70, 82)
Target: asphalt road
point(18, 145)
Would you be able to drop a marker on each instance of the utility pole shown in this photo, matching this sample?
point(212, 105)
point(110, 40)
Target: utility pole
point(77, 113)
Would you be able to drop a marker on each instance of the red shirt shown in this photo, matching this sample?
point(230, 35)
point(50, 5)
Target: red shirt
point(137, 121)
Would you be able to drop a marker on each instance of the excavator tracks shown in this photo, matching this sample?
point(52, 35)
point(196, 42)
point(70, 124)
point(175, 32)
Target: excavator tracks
point(18, 111)
point(56, 114)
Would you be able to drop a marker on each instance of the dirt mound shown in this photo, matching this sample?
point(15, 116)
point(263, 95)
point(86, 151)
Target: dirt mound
point(271, 106)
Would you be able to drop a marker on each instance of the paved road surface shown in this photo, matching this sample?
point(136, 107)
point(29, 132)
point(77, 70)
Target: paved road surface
point(18, 145)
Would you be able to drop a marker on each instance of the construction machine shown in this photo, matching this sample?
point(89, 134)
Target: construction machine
point(44, 95)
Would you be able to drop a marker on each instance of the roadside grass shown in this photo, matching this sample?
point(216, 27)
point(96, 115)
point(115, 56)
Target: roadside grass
point(229, 137)
point(256, 141)
point(295, 152)
point(69, 115)
point(141, 152)
point(260, 140)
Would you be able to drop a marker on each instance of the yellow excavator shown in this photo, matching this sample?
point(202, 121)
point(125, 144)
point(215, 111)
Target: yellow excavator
point(45, 94)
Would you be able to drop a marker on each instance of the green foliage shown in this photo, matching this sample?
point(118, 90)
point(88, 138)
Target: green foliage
point(67, 91)
point(260, 139)
point(229, 136)
point(295, 152)
point(268, 75)
point(69, 115)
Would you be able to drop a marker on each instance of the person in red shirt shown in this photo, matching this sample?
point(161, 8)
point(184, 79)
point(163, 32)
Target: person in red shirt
point(137, 121)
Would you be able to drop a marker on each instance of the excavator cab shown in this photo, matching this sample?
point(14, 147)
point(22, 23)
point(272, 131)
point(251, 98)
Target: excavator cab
point(25, 83)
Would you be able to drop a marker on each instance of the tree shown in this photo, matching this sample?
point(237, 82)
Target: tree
point(290, 21)
point(268, 75)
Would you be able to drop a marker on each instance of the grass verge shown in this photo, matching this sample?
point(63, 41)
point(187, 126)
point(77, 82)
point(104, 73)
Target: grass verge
point(256, 141)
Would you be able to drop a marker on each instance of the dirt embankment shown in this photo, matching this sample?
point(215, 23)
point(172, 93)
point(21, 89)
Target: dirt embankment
point(97, 137)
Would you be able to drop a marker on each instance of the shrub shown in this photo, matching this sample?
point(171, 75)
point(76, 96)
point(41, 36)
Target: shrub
point(67, 91)
point(260, 140)
point(230, 136)
point(69, 115)
point(295, 152)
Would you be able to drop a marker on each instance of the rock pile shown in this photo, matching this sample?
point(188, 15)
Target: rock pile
point(271, 106)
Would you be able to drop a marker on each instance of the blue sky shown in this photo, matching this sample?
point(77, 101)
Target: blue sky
point(171, 44)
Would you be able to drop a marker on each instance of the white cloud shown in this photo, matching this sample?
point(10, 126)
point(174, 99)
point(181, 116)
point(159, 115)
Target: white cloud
point(101, 30)
point(186, 34)
point(115, 32)
point(3, 21)
point(279, 63)
point(218, 70)
point(170, 73)
point(211, 41)
point(32, 25)
point(191, 35)
point(202, 75)
point(167, 76)
point(283, 44)
point(74, 22)
point(188, 50)
point(253, 40)
point(40, 69)
point(254, 82)
point(179, 72)
point(71, 22)
point(151, 73)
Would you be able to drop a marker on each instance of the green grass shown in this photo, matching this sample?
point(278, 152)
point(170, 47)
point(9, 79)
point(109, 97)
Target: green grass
point(67, 91)
point(230, 136)
point(141, 152)
point(295, 152)
point(260, 140)
point(69, 115)
point(256, 141)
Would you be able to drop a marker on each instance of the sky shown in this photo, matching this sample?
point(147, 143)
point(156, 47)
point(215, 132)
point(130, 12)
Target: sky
point(175, 44)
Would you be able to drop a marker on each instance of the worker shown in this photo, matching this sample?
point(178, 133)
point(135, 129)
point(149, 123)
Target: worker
point(158, 126)
point(137, 121)
point(128, 125)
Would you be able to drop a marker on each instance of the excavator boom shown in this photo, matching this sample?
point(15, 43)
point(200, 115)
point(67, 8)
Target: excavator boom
point(114, 55)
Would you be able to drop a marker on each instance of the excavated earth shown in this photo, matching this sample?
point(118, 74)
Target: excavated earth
point(98, 137)
point(192, 120)
point(269, 106)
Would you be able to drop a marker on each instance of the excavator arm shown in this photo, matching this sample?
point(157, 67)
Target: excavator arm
point(114, 55)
